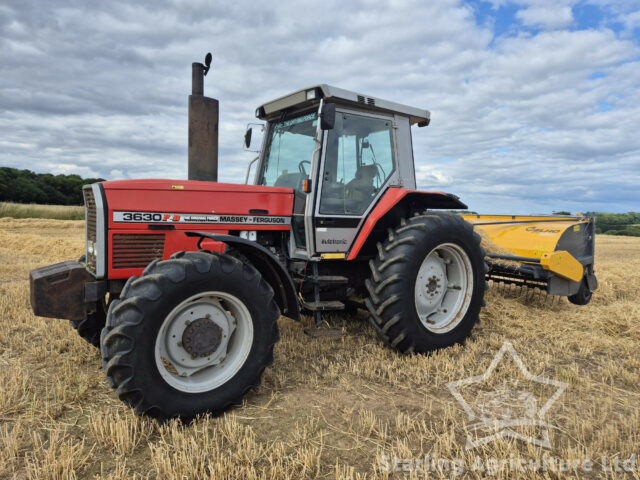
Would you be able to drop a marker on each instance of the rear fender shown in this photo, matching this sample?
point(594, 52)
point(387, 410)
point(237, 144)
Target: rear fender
point(268, 266)
point(399, 203)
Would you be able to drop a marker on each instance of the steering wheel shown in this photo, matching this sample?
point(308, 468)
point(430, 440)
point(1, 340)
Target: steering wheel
point(301, 167)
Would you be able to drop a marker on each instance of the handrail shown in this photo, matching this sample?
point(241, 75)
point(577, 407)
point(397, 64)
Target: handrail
point(246, 180)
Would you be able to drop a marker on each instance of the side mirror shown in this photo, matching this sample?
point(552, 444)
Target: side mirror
point(248, 134)
point(328, 116)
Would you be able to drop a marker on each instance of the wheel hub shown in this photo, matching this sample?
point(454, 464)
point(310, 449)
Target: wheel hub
point(203, 341)
point(198, 335)
point(202, 337)
point(433, 286)
point(443, 288)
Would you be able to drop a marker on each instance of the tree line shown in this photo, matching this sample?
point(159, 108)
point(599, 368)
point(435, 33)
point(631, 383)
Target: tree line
point(618, 223)
point(25, 186)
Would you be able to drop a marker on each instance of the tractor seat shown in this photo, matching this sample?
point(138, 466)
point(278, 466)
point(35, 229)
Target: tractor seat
point(363, 182)
point(290, 180)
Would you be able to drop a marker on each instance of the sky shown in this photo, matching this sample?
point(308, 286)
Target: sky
point(535, 104)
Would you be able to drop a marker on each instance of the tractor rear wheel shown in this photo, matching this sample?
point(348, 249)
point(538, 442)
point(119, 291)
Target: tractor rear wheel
point(427, 283)
point(191, 335)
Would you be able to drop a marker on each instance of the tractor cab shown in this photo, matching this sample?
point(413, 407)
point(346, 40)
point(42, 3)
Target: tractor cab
point(340, 151)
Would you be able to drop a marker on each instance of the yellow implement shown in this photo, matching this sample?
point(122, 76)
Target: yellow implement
point(563, 264)
point(555, 253)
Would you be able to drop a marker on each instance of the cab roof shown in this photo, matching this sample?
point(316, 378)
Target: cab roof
point(312, 95)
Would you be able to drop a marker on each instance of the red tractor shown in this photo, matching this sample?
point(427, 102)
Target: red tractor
point(184, 281)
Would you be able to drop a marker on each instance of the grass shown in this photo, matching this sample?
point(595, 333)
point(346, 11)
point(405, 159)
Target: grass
point(327, 408)
point(32, 210)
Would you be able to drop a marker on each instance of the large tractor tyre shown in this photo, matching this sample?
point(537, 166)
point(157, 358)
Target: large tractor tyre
point(191, 335)
point(427, 283)
point(583, 295)
point(90, 327)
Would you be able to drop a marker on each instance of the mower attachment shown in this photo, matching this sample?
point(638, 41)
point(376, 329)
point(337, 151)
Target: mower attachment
point(553, 254)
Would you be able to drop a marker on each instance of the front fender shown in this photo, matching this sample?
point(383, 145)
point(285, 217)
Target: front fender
point(267, 264)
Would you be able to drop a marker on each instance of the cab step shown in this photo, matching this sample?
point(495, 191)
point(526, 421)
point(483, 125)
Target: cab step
point(328, 279)
point(323, 305)
point(322, 280)
point(318, 306)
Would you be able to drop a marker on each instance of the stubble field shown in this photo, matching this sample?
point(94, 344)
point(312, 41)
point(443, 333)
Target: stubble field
point(331, 408)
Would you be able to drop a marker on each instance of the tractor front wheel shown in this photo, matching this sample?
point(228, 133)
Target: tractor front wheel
point(90, 327)
point(193, 334)
point(427, 283)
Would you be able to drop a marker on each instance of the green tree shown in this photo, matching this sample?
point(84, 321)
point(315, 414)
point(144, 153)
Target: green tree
point(25, 186)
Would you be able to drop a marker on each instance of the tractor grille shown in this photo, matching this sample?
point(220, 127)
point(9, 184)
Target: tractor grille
point(136, 250)
point(90, 213)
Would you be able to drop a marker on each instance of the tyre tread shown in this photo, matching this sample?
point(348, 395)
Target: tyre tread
point(385, 285)
point(124, 319)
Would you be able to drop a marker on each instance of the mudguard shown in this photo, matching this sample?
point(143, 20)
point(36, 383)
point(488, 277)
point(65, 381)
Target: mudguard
point(268, 266)
point(401, 197)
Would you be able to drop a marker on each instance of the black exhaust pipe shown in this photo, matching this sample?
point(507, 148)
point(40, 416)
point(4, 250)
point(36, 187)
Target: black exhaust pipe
point(203, 127)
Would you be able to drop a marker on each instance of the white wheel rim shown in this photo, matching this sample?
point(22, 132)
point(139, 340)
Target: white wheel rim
point(443, 288)
point(233, 326)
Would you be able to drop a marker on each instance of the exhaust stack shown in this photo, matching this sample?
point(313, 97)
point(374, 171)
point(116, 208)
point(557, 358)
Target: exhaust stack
point(203, 127)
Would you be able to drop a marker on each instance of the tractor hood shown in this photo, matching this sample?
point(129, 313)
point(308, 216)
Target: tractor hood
point(186, 202)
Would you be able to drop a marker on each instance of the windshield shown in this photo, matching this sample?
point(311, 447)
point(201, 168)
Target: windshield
point(290, 145)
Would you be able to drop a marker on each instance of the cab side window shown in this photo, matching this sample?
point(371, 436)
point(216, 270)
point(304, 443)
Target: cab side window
point(359, 160)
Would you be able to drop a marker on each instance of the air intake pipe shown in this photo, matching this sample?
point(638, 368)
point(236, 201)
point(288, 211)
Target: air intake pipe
point(203, 127)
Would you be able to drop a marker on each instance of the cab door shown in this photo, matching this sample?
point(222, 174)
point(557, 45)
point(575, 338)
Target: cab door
point(358, 163)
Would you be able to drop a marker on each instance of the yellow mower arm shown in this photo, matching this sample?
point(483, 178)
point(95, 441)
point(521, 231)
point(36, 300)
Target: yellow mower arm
point(564, 264)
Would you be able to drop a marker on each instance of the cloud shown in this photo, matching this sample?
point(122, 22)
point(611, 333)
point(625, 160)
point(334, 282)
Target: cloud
point(548, 16)
point(544, 116)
